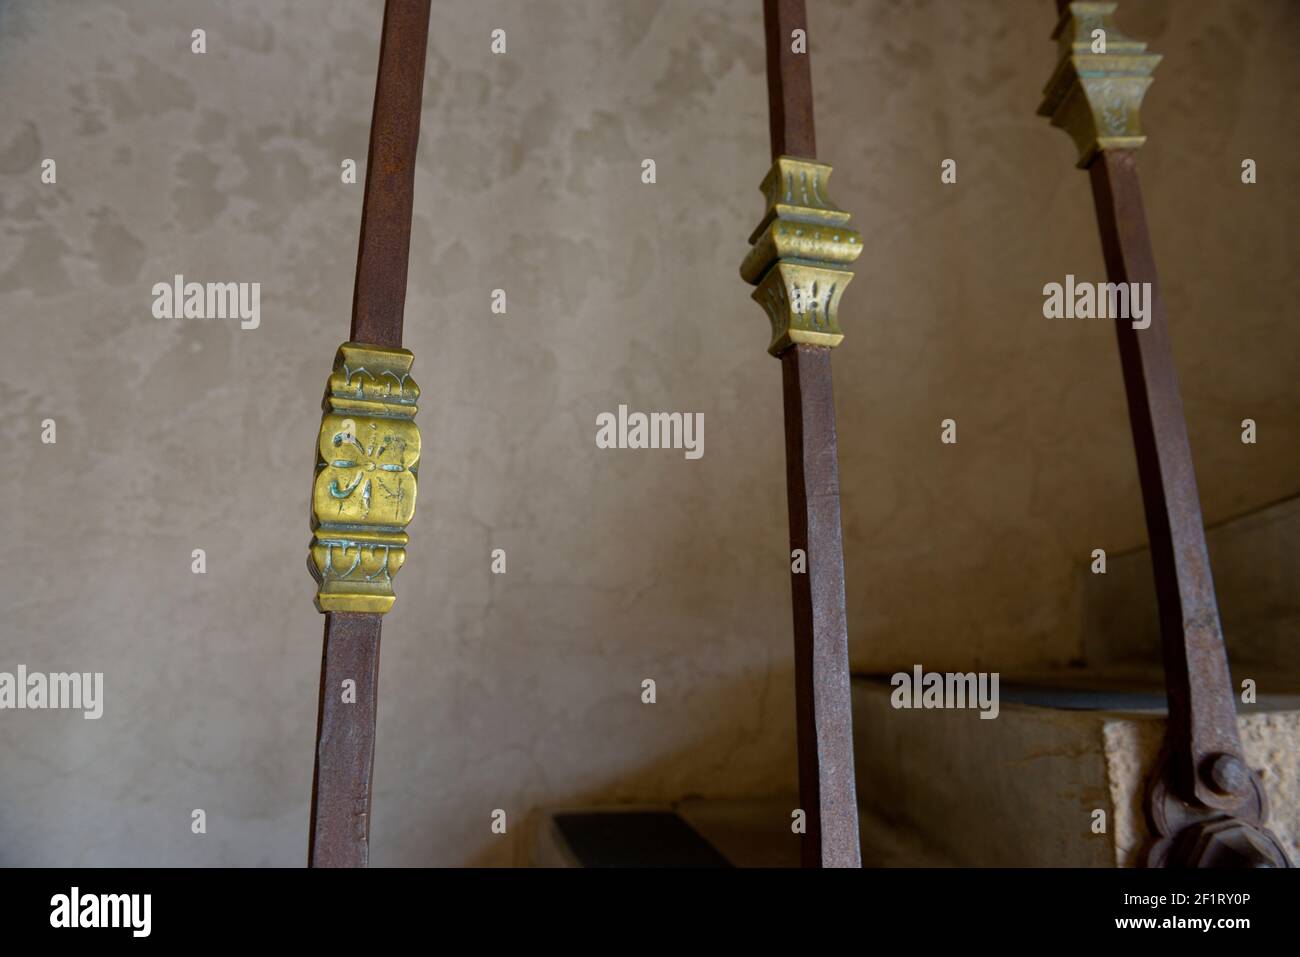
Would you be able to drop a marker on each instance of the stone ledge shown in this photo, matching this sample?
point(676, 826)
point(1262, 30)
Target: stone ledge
point(1021, 790)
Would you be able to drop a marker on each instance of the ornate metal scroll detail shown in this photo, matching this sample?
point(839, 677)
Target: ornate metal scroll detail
point(799, 254)
point(364, 496)
point(1096, 97)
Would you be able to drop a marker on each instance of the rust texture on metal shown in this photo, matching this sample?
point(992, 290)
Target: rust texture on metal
point(1203, 798)
point(345, 742)
point(789, 81)
point(380, 291)
point(823, 699)
point(1196, 666)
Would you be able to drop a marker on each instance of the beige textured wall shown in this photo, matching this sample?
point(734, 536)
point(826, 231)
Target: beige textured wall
point(516, 691)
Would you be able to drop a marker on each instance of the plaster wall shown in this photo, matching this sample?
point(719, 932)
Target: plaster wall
point(523, 690)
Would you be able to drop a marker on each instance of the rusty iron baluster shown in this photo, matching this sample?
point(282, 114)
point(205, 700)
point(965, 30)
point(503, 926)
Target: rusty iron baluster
point(1205, 806)
point(345, 740)
point(800, 251)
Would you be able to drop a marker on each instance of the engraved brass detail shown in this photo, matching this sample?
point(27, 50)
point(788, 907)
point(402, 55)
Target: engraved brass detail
point(368, 450)
point(1096, 97)
point(800, 254)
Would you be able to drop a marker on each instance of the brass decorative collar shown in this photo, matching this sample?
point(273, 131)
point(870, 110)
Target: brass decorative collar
point(799, 255)
point(368, 450)
point(1096, 96)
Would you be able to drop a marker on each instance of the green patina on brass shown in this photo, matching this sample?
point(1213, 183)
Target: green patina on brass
point(368, 450)
point(800, 254)
point(1094, 96)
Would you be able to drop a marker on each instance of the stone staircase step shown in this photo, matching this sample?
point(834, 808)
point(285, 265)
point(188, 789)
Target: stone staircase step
point(700, 832)
point(1256, 564)
point(1022, 789)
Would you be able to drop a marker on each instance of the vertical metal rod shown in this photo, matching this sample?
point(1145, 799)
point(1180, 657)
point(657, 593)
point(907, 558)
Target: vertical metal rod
point(1205, 806)
point(345, 743)
point(823, 693)
point(345, 739)
point(789, 81)
point(823, 697)
point(380, 292)
point(1201, 700)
